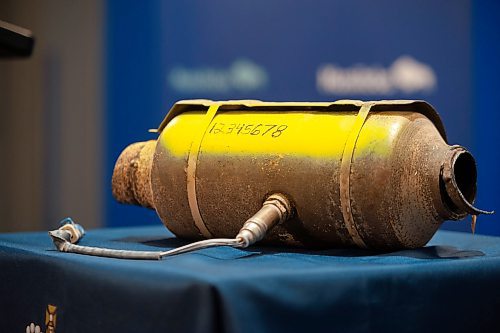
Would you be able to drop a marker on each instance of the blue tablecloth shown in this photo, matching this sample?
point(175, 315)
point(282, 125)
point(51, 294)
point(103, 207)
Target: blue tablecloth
point(453, 284)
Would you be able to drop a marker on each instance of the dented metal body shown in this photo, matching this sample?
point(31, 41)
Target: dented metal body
point(376, 175)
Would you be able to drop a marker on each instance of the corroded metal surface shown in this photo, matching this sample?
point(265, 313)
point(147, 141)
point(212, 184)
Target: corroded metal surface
point(131, 182)
point(403, 179)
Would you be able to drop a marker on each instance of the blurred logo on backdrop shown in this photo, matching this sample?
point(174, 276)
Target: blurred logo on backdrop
point(405, 75)
point(242, 75)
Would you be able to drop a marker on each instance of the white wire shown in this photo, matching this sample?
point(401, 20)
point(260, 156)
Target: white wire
point(233, 242)
point(61, 240)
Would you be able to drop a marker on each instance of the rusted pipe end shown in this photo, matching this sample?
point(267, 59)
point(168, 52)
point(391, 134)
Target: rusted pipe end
point(131, 181)
point(458, 184)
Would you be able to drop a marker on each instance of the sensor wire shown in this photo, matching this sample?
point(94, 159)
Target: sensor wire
point(274, 210)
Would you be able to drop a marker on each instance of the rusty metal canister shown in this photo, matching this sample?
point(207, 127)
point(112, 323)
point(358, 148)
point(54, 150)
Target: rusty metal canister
point(367, 174)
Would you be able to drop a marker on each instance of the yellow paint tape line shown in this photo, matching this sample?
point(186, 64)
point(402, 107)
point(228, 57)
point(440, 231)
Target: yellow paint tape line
point(191, 171)
point(345, 174)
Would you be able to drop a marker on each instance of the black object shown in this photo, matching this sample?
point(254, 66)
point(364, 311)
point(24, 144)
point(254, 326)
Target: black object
point(15, 42)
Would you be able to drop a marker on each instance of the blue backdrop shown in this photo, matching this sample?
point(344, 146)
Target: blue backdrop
point(444, 52)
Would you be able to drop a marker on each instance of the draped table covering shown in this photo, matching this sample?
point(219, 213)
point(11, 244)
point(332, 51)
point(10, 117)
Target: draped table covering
point(453, 284)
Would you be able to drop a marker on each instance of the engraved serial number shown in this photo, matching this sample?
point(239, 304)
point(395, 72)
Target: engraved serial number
point(271, 130)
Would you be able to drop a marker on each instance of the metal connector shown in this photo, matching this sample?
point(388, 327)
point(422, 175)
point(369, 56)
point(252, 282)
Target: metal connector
point(275, 209)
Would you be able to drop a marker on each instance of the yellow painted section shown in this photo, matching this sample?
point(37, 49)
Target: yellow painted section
point(378, 134)
point(308, 133)
point(301, 134)
point(179, 133)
